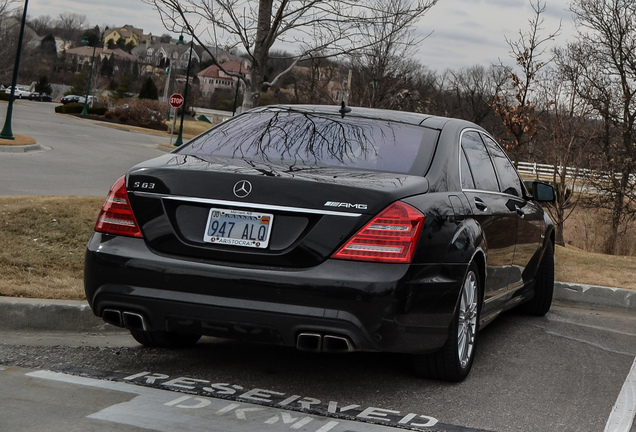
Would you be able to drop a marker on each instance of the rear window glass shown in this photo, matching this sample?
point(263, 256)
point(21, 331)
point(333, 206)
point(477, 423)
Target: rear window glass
point(309, 139)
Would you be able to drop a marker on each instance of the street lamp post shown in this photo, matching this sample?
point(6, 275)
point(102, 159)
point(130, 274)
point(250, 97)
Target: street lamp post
point(179, 140)
point(85, 41)
point(7, 132)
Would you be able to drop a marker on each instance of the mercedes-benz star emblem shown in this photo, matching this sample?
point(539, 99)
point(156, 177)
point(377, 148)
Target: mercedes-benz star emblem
point(242, 188)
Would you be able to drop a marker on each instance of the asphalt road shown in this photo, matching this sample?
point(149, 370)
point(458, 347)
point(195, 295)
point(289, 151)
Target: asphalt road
point(80, 157)
point(573, 370)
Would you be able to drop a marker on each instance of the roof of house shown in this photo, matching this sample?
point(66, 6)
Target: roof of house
point(87, 51)
point(214, 71)
point(127, 31)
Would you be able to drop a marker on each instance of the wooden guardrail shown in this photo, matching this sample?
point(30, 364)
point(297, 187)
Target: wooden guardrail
point(547, 171)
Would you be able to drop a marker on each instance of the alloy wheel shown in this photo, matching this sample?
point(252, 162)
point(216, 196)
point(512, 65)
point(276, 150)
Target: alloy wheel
point(467, 326)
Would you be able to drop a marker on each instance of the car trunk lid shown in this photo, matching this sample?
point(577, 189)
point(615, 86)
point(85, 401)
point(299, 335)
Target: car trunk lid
point(313, 210)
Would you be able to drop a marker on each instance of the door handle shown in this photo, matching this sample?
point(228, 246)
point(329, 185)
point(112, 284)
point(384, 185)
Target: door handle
point(481, 205)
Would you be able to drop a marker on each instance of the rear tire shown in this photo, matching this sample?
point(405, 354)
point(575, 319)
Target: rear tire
point(453, 362)
point(540, 304)
point(165, 339)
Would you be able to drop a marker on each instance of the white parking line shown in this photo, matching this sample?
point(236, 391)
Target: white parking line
point(624, 411)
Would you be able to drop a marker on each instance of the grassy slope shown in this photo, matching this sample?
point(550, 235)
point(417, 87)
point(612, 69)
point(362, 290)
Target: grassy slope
point(576, 265)
point(43, 239)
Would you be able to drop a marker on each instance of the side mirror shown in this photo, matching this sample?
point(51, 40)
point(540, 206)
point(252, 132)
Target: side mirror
point(543, 192)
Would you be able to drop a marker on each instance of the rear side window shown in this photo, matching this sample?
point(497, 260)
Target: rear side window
point(508, 177)
point(480, 164)
point(296, 138)
point(466, 175)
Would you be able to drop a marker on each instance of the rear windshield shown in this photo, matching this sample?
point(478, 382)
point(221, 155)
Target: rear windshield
point(309, 139)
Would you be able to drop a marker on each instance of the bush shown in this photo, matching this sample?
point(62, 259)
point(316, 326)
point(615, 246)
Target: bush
point(70, 108)
point(100, 110)
point(142, 112)
point(4, 96)
point(77, 108)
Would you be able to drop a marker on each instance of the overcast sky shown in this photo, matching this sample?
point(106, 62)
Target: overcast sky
point(464, 32)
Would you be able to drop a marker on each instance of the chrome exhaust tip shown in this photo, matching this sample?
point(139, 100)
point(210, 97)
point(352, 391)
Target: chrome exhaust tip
point(134, 321)
point(336, 344)
point(311, 342)
point(112, 316)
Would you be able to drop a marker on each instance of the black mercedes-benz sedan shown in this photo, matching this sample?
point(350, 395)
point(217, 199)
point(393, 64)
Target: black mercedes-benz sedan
point(328, 229)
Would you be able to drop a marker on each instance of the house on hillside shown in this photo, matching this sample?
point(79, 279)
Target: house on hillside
point(157, 55)
point(213, 78)
point(61, 45)
point(80, 55)
point(128, 33)
point(329, 84)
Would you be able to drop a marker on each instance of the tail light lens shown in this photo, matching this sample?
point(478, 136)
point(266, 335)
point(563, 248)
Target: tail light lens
point(390, 237)
point(116, 216)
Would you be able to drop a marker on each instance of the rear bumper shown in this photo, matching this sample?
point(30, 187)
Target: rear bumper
point(377, 307)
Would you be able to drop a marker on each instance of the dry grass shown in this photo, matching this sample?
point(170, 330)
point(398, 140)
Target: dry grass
point(43, 241)
point(191, 128)
point(588, 228)
point(19, 140)
point(576, 265)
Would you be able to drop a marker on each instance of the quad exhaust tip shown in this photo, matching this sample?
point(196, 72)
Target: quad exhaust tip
point(112, 316)
point(134, 321)
point(315, 342)
point(336, 344)
point(311, 342)
point(129, 320)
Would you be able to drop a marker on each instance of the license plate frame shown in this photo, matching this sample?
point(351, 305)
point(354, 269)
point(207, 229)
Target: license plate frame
point(238, 228)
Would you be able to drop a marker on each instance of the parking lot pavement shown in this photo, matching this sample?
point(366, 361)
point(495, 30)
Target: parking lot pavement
point(109, 404)
point(73, 156)
point(573, 370)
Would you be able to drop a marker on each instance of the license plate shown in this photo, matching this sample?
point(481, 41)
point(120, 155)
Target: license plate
point(238, 228)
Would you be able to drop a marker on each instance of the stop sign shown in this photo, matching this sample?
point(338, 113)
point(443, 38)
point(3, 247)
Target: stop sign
point(176, 100)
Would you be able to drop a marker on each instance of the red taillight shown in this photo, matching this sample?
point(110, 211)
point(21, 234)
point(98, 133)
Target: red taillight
point(116, 216)
point(390, 237)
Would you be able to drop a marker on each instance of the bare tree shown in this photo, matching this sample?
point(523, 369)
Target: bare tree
point(567, 129)
point(518, 113)
point(10, 21)
point(384, 70)
point(7, 8)
point(315, 28)
point(605, 49)
point(312, 80)
point(42, 24)
point(70, 26)
point(7, 33)
point(473, 91)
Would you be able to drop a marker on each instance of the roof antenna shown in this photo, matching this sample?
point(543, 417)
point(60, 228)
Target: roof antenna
point(344, 109)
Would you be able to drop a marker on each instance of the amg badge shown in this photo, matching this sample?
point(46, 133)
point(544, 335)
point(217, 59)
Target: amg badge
point(345, 205)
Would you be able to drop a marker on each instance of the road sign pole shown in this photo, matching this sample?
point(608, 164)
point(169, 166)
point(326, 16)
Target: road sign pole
point(176, 100)
point(174, 121)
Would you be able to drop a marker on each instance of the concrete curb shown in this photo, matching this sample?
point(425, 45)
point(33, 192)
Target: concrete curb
point(76, 316)
point(22, 148)
point(49, 315)
point(589, 295)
